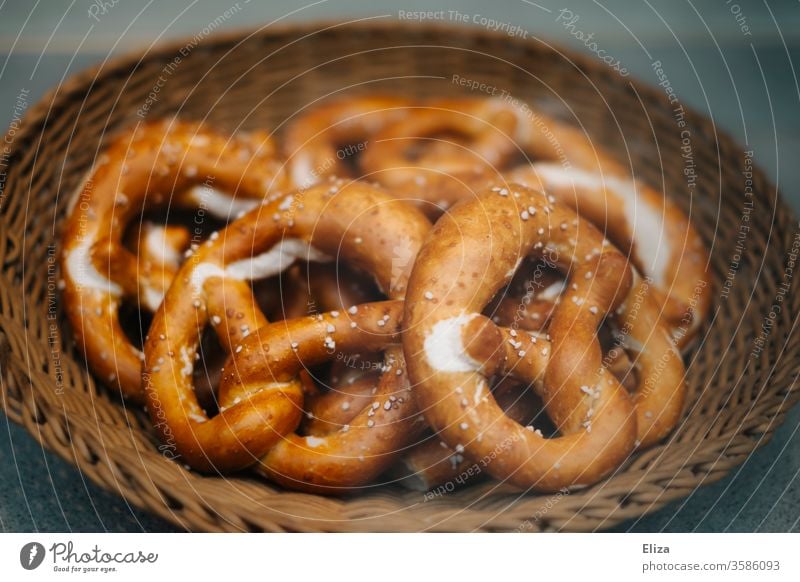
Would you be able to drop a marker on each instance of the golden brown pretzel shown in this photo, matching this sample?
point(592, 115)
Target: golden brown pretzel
point(437, 172)
point(320, 141)
point(352, 378)
point(469, 255)
point(661, 241)
point(641, 221)
point(420, 159)
point(260, 397)
point(152, 165)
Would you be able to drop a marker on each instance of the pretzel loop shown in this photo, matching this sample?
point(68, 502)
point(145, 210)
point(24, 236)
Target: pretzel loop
point(313, 142)
point(441, 151)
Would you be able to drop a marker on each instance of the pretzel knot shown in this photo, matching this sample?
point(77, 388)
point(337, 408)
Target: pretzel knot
point(452, 351)
point(649, 227)
point(260, 395)
point(156, 165)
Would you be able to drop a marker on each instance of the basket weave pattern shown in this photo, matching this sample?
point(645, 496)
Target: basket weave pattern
point(260, 80)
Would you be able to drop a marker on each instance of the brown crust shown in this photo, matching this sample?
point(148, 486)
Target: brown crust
point(311, 141)
point(420, 161)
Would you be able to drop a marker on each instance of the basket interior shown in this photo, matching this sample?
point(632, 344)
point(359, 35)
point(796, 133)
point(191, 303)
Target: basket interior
point(262, 80)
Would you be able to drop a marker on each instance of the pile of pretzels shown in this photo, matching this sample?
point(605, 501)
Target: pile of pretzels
point(396, 291)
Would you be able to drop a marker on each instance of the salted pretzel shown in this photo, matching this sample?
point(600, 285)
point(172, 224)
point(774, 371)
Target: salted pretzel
point(650, 227)
point(160, 164)
point(442, 150)
point(433, 462)
point(452, 350)
point(320, 142)
point(260, 397)
point(641, 221)
point(527, 304)
point(657, 389)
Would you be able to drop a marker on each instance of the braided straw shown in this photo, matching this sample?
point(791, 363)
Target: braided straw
point(738, 394)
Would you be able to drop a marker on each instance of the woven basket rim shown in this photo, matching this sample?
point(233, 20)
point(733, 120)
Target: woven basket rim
point(238, 34)
point(37, 116)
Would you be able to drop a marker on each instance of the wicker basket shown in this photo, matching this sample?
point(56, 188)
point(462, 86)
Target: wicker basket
point(738, 393)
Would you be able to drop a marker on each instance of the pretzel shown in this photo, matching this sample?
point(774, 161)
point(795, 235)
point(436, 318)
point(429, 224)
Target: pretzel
point(527, 304)
point(260, 397)
point(300, 290)
point(150, 166)
point(419, 160)
point(644, 224)
point(658, 394)
point(641, 221)
point(451, 349)
point(313, 143)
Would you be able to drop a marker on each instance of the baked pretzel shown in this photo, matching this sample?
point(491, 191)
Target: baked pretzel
point(527, 303)
point(657, 390)
point(442, 150)
point(153, 165)
point(643, 223)
point(260, 397)
point(321, 142)
point(451, 349)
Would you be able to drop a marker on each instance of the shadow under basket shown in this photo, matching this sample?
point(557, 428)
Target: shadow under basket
point(740, 372)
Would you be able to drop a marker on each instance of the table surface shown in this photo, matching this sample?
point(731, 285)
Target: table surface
point(742, 78)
